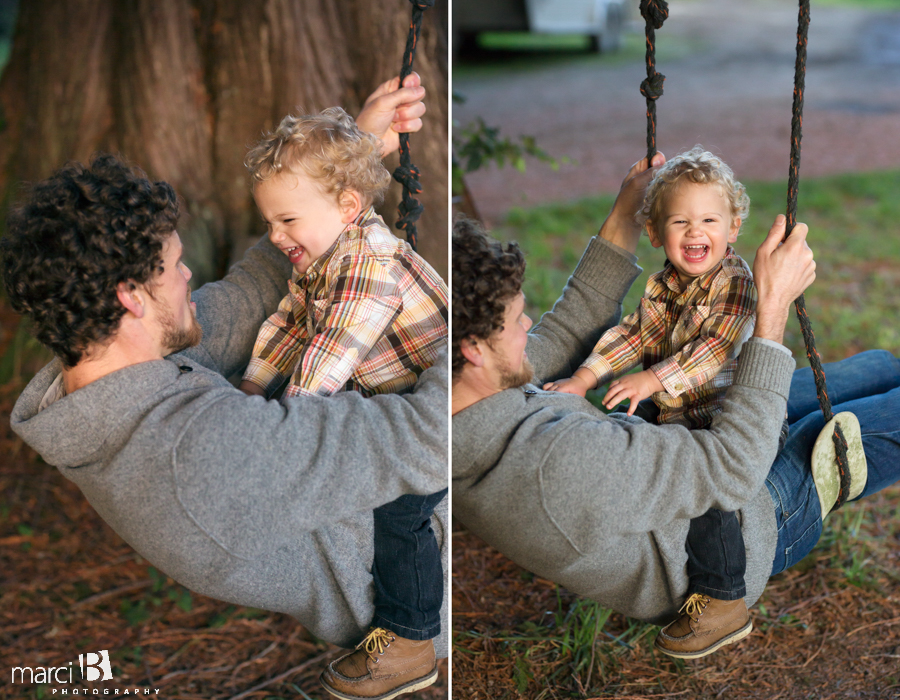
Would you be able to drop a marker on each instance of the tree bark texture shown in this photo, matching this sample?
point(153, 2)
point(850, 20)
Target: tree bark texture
point(183, 88)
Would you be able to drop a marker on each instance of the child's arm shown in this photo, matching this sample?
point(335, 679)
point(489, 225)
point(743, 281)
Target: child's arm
point(276, 350)
point(362, 303)
point(618, 350)
point(729, 324)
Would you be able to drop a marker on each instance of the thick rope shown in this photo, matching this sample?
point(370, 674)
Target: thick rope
point(655, 13)
point(407, 174)
point(815, 360)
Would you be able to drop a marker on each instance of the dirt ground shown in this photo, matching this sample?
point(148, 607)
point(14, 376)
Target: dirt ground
point(729, 86)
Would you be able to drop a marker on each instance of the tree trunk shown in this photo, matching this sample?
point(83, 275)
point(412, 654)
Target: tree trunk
point(182, 88)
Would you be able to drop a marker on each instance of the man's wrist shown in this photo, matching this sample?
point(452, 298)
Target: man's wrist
point(770, 322)
point(621, 230)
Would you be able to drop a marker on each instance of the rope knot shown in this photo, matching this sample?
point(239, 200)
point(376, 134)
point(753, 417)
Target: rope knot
point(408, 176)
point(652, 88)
point(410, 210)
point(655, 11)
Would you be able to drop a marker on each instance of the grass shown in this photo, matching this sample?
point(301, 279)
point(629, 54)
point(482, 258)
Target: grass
point(828, 627)
point(522, 51)
point(861, 4)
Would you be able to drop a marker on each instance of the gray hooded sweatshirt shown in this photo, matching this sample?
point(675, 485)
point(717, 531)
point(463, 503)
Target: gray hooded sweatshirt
point(602, 503)
point(249, 501)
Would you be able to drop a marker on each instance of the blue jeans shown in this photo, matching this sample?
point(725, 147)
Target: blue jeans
point(409, 577)
point(867, 385)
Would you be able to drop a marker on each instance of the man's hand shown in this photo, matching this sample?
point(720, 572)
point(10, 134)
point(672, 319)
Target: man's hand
point(572, 385)
point(782, 271)
point(620, 227)
point(637, 387)
point(392, 110)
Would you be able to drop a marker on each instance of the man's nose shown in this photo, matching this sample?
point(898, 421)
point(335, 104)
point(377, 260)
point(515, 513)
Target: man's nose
point(528, 322)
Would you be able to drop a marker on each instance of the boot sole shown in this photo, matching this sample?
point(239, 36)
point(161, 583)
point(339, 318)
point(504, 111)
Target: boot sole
point(730, 639)
point(410, 687)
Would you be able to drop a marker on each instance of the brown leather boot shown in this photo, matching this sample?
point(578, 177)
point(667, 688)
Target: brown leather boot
point(382, 667)
point(705, 625)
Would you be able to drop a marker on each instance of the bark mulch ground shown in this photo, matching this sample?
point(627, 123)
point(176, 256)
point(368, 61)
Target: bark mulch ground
point(70, 585)
point(828, 628)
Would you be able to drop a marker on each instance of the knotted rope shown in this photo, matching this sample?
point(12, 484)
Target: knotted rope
point(809, 339)
point(407, 174)
point(655, 12)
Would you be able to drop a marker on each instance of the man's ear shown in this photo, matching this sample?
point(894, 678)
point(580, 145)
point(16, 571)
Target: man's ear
point(351, 205)
point(471, 350)
point(655, 239)
point(133, 297)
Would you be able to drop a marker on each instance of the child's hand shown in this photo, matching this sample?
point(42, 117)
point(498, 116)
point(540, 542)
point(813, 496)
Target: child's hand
point(636, 387)
point(251, 389)
point(572, 385)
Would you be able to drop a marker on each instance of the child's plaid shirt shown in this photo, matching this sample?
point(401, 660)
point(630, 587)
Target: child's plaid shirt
point(690, 339)
point(368, 315)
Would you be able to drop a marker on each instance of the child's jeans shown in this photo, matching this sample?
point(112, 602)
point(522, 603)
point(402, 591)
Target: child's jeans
point(715, 545)
point(716, 558)
point(409, 577)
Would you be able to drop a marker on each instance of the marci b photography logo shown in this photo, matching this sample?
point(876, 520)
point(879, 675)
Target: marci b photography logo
point(93, 666)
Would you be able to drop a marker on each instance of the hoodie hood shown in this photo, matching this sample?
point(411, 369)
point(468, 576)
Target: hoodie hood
point(79, 428)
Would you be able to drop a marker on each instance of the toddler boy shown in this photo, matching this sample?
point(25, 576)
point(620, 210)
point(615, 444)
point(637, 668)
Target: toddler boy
point(693, 318)
point(363, 312)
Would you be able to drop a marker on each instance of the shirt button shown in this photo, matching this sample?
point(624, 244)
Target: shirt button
point(679, 387)
point(530, 391)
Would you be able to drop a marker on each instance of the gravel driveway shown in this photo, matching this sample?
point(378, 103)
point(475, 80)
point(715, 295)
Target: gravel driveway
point(729, 83)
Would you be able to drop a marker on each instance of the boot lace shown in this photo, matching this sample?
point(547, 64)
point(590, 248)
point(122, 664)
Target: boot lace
point(694, 606)
point(376, 642)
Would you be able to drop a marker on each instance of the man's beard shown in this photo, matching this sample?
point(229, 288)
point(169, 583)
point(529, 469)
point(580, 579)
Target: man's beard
point(511, 380)
point(174, 338)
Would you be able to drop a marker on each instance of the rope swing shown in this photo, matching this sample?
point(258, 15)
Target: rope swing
point(654, 12)
point(850, 459)
point(407, 174)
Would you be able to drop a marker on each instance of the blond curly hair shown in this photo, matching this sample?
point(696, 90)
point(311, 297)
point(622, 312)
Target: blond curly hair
point(696, 165)
point(329, 148)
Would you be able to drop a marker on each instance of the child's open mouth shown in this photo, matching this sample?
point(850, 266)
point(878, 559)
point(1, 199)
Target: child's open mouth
point(294, 254)
point(695, 253)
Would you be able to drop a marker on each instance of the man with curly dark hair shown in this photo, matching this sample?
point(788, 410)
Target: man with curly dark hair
point(256, 502)
point(602, 503)
point(487, 296)
point(77, 252)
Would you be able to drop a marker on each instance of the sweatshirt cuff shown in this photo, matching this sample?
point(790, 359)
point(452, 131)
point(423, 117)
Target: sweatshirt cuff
point(765, 365)
point(607, 268)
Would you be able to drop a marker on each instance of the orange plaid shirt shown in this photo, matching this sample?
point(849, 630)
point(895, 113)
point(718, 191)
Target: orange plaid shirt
point(369, 315)
point(690, 339)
